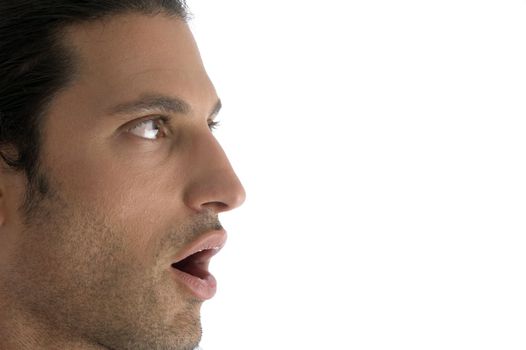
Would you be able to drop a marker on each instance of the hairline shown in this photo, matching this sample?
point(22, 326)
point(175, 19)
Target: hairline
point(63, 46)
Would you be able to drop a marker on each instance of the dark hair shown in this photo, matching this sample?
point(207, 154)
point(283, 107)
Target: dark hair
point(35, 64)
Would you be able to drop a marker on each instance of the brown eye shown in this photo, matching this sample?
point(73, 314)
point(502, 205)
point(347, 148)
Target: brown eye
point(149, 129)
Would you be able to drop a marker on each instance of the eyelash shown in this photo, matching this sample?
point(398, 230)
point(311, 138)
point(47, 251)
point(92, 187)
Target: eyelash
point(162, 120)
point(213, 125)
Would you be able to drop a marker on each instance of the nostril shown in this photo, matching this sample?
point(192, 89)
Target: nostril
point(216, 207)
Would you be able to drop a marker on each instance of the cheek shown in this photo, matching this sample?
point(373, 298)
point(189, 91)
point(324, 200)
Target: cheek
point(140, 201)
point(136, 184)
point(121, 177)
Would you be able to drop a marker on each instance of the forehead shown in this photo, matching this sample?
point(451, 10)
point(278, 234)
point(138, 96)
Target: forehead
point(124, 56)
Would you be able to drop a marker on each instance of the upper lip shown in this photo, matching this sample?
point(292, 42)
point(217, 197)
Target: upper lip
point(211, 240)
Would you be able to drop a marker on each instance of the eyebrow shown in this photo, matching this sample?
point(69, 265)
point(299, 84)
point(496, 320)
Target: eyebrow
point(163, 103)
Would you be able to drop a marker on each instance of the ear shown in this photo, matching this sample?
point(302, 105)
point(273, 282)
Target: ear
point(2, 211)
point(3, 208)
point(9, 191)
point(8, 183)
point(7, 186)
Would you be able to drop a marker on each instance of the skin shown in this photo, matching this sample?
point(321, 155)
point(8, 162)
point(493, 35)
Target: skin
point(89, 267)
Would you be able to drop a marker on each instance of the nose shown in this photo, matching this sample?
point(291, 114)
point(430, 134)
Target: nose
point(212, 183)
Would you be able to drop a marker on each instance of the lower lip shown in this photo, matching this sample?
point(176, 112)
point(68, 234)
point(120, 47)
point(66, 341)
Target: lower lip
point(203, 289)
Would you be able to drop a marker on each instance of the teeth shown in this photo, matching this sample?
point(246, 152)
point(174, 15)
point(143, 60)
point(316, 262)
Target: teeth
point(198, 251)
point(212, 248)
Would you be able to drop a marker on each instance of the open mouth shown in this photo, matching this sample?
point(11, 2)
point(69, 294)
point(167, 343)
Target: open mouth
point(197, 263)
point(191, 265)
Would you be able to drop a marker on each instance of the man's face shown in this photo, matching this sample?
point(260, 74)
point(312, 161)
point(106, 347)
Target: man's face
point(91, 264)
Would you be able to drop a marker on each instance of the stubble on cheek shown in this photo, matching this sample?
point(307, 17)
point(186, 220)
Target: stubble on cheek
point(76, 274)
point(67, 261)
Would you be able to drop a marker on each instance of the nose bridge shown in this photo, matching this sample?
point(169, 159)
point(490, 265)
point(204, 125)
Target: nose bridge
point(213, 183)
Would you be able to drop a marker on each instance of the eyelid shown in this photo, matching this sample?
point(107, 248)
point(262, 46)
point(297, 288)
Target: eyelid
point(164, 124)
point(161, 120)
point(212, 123)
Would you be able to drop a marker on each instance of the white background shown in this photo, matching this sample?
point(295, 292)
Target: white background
point(382, 145)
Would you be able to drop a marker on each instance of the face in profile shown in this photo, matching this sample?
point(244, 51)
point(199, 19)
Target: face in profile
point(115, 255)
